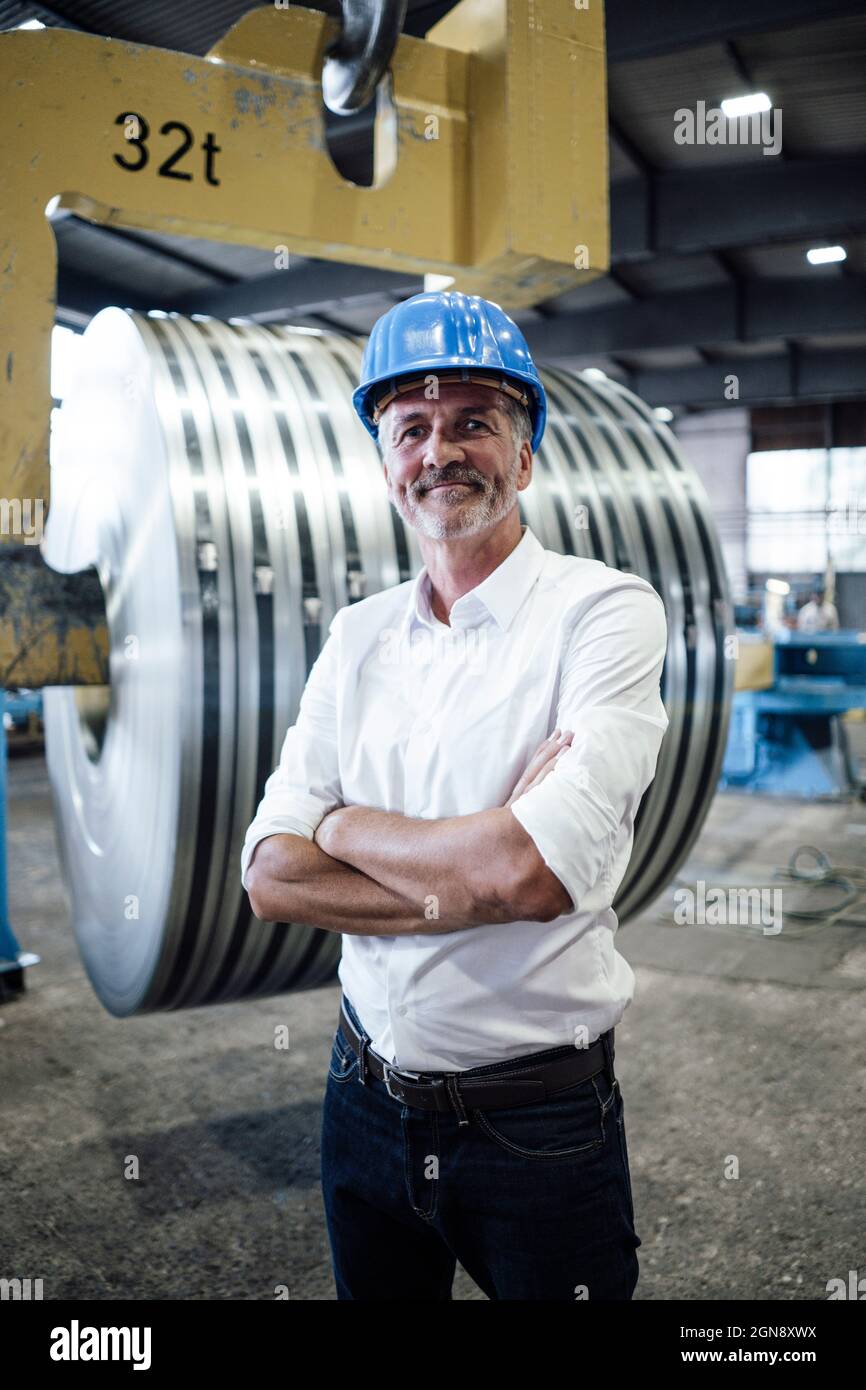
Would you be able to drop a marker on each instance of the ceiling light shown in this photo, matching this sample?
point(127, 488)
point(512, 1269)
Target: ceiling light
point(596, 374)
point(662, 412)
point(746, 106)
point(31, 24)
point(825, 255)
point(778, 586)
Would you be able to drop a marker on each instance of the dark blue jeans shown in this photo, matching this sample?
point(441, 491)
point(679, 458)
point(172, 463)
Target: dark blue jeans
point(535, 1202)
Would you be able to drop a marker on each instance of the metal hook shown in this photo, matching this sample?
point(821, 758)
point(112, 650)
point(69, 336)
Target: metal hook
point(356, 62)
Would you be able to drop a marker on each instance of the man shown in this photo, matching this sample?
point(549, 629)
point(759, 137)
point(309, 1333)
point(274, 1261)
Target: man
point(457, 798)
point(818, 615)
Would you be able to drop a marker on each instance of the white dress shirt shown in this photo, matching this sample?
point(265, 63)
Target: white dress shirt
point(818, 617)
point(406, 714)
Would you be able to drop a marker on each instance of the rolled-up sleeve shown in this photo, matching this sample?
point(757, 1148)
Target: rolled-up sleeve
point(610, 698)
point(305, 785)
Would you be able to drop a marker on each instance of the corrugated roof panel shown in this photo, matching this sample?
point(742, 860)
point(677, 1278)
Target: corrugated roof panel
point(822, 117)
point(780, 261)
point(646, 94)
point(815, 42)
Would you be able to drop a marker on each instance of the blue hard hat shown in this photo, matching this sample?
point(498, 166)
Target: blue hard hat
point(444, 332)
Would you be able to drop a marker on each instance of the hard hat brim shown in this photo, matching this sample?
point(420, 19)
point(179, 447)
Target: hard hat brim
point(493, 380)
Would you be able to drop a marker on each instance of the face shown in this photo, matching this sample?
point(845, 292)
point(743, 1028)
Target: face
point(452, 466)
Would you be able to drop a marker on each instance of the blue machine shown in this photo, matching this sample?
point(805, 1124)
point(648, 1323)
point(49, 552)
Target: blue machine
point(12, 959)
point(22, 713)
point(790, 740)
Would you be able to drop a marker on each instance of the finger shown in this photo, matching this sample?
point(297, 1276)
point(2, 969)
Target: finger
point(543, 749)
point(559, 747)
point(546, 758)
point(537, 780)
point(545, 755)
point(548, 767)
point(554, 747)
point(540, 757)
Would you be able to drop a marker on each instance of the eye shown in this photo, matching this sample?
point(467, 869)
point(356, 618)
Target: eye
point(412, 431)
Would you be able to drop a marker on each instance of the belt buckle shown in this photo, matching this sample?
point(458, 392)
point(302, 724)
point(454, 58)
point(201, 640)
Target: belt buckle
point(390, 1070)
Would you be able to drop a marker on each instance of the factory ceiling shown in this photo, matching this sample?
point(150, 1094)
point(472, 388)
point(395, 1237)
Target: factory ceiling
point(709, 276)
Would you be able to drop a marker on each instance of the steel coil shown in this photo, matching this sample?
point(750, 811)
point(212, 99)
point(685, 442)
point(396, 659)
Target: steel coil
point(218, 478)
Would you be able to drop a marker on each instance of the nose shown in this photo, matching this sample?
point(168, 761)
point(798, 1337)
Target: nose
point(440, 450)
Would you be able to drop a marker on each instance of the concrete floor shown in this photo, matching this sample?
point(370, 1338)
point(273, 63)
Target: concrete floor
point(735, 1044)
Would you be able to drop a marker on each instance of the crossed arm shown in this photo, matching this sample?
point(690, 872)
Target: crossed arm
point(377, 873)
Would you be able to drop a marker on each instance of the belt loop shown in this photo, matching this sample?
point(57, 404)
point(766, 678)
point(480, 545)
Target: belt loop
point(365, 1040)
point(455, 1098)
point(607, 1044)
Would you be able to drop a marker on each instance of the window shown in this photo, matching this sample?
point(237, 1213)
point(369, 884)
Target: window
point(804, 508)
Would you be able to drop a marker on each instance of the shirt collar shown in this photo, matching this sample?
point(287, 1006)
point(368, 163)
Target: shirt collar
point(500, 595)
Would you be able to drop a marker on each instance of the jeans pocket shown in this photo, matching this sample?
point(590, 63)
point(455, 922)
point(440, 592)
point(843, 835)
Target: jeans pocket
point(344, 1062)
point(566, 1125)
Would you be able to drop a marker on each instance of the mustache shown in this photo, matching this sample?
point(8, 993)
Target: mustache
point(462, 475)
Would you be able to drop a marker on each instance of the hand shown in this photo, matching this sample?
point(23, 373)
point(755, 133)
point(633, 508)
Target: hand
point(542, 762)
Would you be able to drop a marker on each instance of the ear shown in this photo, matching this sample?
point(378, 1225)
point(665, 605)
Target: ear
point(524, 473)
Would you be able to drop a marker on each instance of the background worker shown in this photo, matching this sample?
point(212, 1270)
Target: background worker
point(818, 615)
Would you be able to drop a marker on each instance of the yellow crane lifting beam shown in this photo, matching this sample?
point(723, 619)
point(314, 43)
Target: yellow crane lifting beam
point(499, 179)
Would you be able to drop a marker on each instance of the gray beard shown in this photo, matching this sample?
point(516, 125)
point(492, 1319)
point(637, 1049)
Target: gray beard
point(493, 501)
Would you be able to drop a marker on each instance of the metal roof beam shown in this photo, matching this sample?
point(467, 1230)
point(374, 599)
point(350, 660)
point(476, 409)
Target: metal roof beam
point(647, 28)
point(706, 209)
point(307, 287)
point(795, 376)
point(752, 311)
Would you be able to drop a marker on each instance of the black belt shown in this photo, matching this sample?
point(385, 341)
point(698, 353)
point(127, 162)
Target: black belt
point(529, 1079)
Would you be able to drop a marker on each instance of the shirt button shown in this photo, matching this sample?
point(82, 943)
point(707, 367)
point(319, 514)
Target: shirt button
point(402, 1010)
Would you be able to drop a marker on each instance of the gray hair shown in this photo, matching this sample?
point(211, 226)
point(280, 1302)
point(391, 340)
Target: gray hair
point(521, 424)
